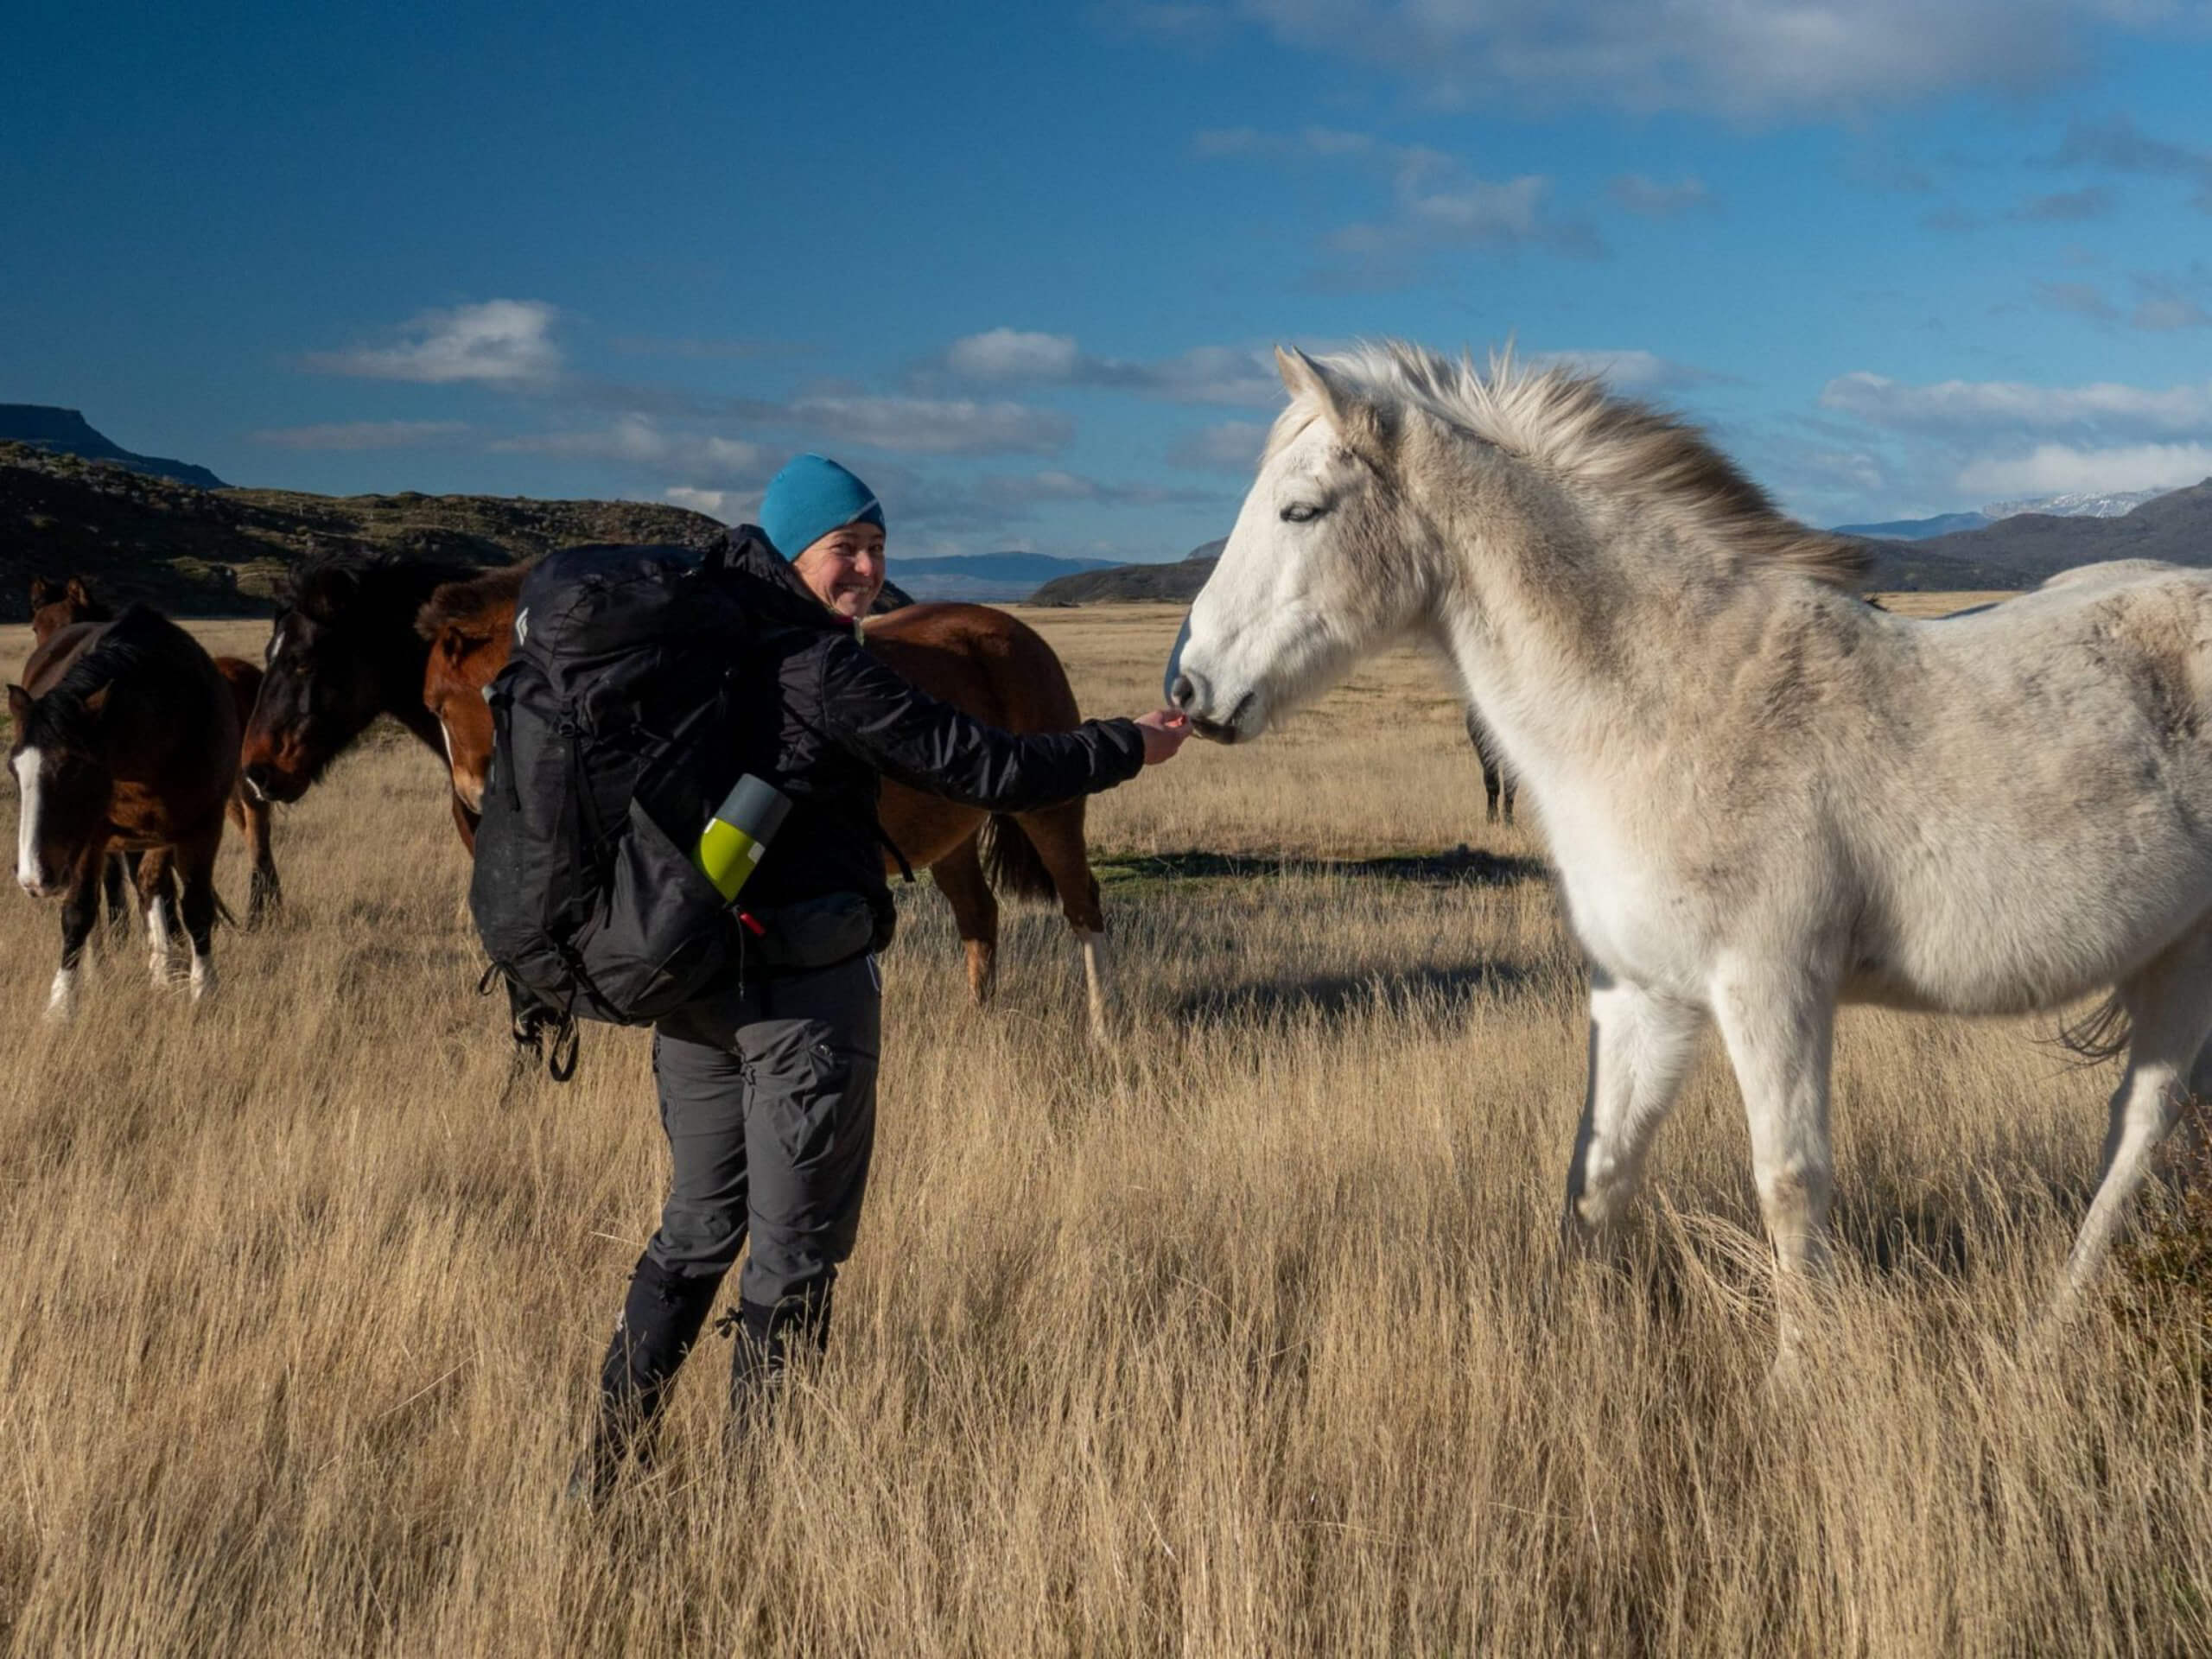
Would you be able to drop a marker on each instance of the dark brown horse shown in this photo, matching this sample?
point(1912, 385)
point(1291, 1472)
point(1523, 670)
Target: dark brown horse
point(342, 651)
point(55, 606)
point(126, 738)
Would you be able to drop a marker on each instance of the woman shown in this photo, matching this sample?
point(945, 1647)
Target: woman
point(767, 1087)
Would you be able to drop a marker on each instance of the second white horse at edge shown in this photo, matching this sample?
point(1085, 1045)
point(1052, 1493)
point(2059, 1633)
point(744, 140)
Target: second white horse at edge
point(1763, 797)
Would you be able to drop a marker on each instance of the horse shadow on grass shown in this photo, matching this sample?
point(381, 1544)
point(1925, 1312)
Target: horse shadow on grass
point(1462, 866)
point(1333, 996)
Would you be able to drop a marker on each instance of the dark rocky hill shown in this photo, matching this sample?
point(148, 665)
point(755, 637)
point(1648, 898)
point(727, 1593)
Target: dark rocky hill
point(66, 432)
point(1176, 582)
point(1908, 567)
point(214, 552)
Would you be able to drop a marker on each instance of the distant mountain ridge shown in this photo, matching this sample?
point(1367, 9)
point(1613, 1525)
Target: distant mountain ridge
point(66, 431)
point(2017, 551)
point(1915, 529)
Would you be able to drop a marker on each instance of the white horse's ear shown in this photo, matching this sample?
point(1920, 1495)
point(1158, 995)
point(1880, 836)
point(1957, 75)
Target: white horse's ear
point(1359, 422)
point(1304, 378)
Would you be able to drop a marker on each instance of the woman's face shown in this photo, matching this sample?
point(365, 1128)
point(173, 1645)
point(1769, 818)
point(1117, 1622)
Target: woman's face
point(844, 569)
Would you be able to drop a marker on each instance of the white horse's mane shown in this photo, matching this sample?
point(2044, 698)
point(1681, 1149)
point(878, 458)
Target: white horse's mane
point(1570, 424)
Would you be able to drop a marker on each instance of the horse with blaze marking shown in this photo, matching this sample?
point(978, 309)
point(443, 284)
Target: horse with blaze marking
point(1764, 798)
point(55, 606)
point(126, 738)
point(363, 636)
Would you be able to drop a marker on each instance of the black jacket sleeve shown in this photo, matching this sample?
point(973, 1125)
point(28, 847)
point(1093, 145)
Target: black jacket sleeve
point(906, 734)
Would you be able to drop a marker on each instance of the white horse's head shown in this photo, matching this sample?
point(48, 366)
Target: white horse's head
point(1323, 564)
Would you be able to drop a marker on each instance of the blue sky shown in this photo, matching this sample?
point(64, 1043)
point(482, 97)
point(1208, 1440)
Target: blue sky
point(1021, 265)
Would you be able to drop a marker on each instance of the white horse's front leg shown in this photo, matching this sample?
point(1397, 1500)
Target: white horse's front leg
point(1641, 1045)
point(1780, 1029)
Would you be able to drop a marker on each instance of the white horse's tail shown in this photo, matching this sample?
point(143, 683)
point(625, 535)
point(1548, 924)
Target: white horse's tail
point(2101, 1034)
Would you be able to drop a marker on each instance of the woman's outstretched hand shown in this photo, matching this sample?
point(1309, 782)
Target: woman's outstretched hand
point(1164, 731)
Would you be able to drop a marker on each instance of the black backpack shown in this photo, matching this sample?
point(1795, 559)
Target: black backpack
point(617, 733)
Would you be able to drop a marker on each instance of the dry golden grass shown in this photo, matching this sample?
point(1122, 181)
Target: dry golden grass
point(1927, 605)
point(1245, 1338)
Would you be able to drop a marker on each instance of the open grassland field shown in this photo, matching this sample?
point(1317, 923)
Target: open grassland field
point(1245, 1337)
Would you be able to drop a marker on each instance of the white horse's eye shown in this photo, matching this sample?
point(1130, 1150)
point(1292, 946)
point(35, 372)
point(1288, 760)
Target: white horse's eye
point(1299, 513)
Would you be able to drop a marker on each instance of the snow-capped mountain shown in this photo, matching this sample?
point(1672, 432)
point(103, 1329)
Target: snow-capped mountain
point(2076, 504)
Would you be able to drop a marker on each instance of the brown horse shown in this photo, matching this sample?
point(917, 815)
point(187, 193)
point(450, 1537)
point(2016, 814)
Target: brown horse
point(125, 738)
point(1496, 780)
point(55, 606)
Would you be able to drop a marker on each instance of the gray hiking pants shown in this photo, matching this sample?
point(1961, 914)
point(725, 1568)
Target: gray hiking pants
point(768, 1096)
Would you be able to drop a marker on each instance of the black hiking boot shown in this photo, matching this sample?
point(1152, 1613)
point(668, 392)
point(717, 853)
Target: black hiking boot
point(766, 1338)
point(661, 1318)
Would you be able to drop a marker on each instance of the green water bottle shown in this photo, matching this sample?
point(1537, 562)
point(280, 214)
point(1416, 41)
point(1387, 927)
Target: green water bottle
point(739, 832)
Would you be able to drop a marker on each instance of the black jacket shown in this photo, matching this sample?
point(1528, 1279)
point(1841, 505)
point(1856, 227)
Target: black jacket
point(844, 720)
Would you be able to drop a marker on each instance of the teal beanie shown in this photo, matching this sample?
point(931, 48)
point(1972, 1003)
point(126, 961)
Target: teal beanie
point(812, 496)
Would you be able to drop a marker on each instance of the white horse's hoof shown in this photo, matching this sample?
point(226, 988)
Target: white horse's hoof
point(62, 1001)
point(203, 978)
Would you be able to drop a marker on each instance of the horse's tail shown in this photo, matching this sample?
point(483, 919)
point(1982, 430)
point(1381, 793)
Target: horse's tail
point(1012, 862)
point(2101, 1034)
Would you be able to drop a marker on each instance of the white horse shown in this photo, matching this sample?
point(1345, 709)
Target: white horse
point(1762, 796)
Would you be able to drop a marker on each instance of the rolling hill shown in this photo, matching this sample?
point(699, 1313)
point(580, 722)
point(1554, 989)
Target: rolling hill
point(223, 552)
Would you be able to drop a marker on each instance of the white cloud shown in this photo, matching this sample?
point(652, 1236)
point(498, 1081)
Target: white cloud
point(1327, 143)
point(1635, 372)
point(1970, 406)
point(1480, 210)
point(361, 435)
point(2068, 206)
point(1010, 354)
point(2050, 468)
point(1787, 58)
point(638, 440)
point(1023, 489)
point(2118, 146)
point(991, 502)
point(1437, 200)
point(1205, 374)
point(505, 342)
point(1649, 199)
point(2082, 299)
point(731, 506)
point(2163, 312)
point(1229, 447)
point(929, 426)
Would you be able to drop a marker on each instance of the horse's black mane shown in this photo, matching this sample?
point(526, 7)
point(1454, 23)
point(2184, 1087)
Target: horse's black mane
point(140, 636)
point(327, 584)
